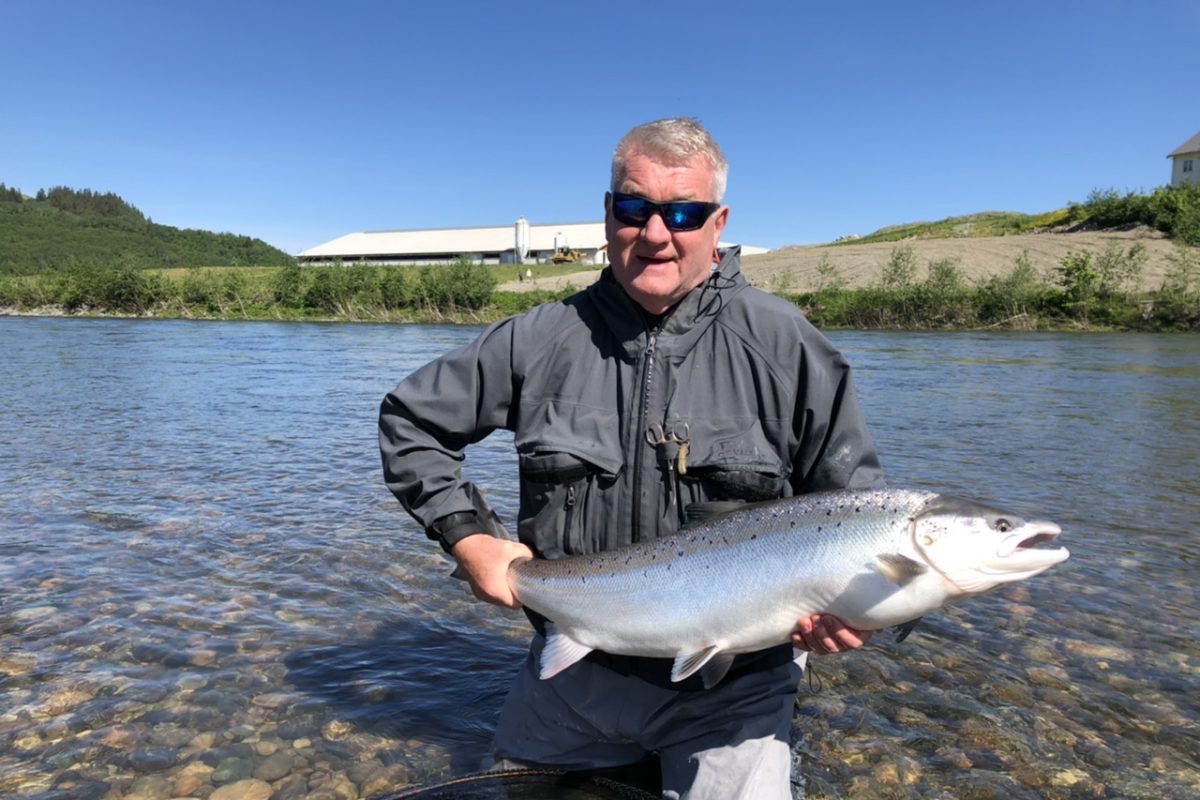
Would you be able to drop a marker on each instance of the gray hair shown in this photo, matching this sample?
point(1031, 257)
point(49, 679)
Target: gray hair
point(673, 142)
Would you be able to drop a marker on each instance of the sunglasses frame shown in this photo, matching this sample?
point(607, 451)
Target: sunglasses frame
point(664, 210)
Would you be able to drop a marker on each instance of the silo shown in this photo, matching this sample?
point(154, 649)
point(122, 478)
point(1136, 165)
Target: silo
point(522, 244)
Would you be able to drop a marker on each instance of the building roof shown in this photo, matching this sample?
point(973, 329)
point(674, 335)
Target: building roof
point(452, 241)
point(1192, 145)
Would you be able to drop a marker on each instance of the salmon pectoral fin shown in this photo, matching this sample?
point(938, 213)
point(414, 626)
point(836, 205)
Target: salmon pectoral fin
point(560, 652)
point(899, 569)
point(711, 663)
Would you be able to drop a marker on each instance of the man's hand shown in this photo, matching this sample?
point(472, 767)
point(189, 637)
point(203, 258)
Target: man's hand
point(823, 634)
point(485, 560)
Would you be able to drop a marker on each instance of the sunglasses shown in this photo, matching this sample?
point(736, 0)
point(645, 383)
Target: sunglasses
point(677, 215)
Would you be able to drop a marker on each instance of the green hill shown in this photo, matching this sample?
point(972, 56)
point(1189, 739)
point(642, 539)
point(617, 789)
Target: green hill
point(68, 227)
point(1174, 210)
point(986, 223)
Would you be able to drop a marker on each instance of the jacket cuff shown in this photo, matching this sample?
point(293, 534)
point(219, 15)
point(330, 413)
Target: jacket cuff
point(453, 528)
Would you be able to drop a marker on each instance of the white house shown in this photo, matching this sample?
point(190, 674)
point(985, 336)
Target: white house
point(1185, 162)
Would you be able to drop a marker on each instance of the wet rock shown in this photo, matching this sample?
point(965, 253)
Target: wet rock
point(1095, 754)
point(149, 787)
point(12, 666)
point(65, 700)
point(266, 747)
point(293, 787)
point(274, 767)
point(73, 785)
point(191, 778)
point(171, 736)
point(33, 614)
point(232, 770)
point(1050, 676)
point(336, 729)
point(151, 759)
point(389, 779)
point(216, 755)
point(249, 789)
point(274, 699)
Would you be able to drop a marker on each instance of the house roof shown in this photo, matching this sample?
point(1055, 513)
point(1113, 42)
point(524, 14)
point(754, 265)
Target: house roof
point(451, 241)
point(1192, 145)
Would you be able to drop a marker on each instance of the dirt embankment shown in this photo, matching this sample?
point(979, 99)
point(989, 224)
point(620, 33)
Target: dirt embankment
point(798, 268)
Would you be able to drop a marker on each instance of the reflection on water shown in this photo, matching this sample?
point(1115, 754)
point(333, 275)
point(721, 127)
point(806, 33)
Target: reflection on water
point(205, 584)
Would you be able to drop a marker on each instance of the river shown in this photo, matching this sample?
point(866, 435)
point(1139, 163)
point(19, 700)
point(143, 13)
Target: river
point(203, 580)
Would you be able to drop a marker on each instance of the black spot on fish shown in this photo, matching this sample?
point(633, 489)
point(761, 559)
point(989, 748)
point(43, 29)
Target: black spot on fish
point(754, 536)
point(680, 553)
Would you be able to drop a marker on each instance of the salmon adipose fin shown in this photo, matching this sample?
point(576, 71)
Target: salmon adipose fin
point(560, 652)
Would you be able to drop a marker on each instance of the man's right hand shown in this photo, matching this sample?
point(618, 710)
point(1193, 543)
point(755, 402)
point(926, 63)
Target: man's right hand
point(485, 561)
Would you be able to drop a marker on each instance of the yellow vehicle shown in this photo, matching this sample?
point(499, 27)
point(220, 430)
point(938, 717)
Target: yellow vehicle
point(565, 255)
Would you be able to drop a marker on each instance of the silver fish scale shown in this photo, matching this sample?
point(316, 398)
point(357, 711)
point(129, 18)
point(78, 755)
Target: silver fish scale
point(806, 514)
point(691, 586)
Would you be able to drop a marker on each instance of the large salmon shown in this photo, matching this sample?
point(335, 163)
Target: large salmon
point(739, 581)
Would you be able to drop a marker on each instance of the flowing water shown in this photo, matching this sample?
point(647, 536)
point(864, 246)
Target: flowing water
point(206, 590)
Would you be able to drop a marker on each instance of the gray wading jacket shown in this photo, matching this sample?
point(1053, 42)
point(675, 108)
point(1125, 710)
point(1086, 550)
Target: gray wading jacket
point(765, 403)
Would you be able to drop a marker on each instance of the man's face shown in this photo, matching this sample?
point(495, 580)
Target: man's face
point(655, 266)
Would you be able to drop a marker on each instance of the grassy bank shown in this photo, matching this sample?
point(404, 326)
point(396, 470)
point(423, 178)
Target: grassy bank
point(1086, 290)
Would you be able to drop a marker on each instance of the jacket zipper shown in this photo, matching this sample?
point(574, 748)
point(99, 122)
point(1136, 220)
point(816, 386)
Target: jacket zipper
point(569, 507)
point(643, 411)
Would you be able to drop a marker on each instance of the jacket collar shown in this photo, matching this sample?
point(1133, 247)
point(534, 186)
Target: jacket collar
point(683, 325)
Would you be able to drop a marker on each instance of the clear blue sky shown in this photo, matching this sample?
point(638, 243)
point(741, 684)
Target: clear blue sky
point(298, 122)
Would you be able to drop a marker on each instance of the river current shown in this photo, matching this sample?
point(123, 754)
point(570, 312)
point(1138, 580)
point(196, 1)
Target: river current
point(205, 587)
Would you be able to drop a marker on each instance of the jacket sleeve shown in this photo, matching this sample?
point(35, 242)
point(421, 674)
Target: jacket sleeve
point(426, 423)
point(835, 450)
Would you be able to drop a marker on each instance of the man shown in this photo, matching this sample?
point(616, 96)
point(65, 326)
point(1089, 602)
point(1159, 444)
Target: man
point(668, 382)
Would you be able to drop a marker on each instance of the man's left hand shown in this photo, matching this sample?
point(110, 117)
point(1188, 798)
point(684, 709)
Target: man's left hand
point(823, 634)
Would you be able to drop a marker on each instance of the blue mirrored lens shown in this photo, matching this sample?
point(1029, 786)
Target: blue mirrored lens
point(678, 215)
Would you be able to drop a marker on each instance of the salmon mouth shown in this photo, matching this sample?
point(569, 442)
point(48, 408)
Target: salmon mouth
point(1032, 542)
point(1029, 549)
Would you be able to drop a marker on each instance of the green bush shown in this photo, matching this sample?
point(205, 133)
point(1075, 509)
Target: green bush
point(289, 285)
point(463, 285)
point(1007, 297)
point(395, 288)
point(900, 269)
point(1176, 210)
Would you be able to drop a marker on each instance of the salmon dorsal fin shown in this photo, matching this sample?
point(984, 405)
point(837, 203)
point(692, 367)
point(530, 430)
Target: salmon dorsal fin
point(560, 652)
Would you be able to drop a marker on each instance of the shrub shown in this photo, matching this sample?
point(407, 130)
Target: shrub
point(289, 285)
point(1119, 270)
point(395, 288)
point(462, 285)
point(828, 275)
point(900, 269)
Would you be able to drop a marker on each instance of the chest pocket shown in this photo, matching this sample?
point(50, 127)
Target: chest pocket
point(731, 460)
point(564, 501)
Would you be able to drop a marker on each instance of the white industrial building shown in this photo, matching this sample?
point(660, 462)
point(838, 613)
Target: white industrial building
point(519, 243)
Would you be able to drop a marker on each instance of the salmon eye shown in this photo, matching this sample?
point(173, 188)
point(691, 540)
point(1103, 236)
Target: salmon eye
point(1002, 525)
